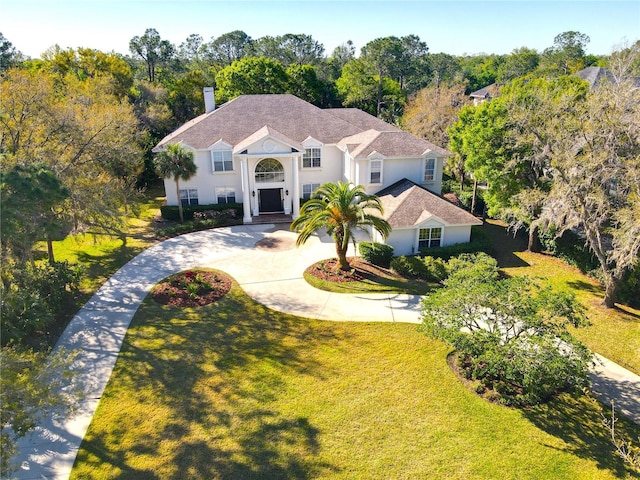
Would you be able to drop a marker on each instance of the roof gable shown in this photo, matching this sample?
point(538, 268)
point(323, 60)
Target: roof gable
point(269, 137)
point(407, 204)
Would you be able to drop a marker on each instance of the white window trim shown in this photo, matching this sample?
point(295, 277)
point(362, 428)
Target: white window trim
point(226, 190)
point(424, 170)
point(370, 171)
point(189, 197)
point(224, 162)
point(311, 166)
point(314, 187)
point(442, 230)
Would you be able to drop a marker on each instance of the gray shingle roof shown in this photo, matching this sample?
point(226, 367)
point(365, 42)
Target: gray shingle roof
point(296, 120)
point(594, 75)
point(396, 143)
point(407, 204)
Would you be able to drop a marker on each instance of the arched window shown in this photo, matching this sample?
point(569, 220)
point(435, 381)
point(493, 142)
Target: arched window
point(269, 170)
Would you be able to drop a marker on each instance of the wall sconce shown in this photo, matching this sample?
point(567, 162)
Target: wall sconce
point(286, 192)
point(253, 193)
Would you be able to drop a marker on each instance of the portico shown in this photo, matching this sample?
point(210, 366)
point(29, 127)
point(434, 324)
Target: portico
point(269, 169)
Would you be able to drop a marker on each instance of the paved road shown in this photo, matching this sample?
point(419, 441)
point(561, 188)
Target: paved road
point(272, 276)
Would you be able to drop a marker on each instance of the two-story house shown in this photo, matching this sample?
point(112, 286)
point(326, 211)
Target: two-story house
point(270, 152)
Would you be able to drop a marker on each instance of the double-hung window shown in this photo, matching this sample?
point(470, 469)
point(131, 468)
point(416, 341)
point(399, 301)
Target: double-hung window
point(429, 237)
point(429, 169)
point(308, 189)
point(189, 196)
point(311, 158)
point(375, 171)
point(222, 161)
point(225, 195)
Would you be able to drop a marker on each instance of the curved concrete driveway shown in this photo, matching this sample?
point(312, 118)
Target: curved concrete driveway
point(272, 277)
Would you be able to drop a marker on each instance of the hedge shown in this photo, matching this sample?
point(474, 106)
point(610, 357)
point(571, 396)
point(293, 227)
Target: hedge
point(170, 212)
point(479, 243)
point(379, 254)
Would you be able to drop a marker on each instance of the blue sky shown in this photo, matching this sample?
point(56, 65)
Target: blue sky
point(455, 27)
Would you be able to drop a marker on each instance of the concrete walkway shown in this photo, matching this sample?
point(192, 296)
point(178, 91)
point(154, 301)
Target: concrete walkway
point(272, 276)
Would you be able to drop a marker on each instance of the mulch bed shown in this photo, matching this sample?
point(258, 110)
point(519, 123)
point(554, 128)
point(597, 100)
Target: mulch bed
point(360, 270)
point(207, 288)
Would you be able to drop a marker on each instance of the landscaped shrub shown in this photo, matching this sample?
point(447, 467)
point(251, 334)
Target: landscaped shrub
point(510, 335)
point(479, 243)
point(425, 268)
point(35, 294)
point(197, 225)
point(376, 253)
point(408, 266)
point(170, 212)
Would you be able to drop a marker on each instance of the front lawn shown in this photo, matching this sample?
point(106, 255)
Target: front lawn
point(234, 390)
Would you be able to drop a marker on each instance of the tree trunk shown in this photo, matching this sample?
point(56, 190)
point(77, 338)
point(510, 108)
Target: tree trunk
point(179, 201)
point(473, 198)
point(534, 241)
point(341, 251)
point(379, 107)
point(610, 290)
point(50, 250)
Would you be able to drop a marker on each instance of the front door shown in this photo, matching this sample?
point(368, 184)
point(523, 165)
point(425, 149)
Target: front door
point(270, 200)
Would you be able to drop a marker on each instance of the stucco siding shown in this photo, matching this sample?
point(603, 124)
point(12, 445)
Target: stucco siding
point(459, 234)
point(205, 181)
point(402, 241)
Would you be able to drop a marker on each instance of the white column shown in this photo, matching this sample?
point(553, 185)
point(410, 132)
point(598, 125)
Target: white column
point(296, 187)
point(246, 195)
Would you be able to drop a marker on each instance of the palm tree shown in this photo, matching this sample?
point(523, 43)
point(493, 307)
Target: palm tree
point(340, 208)
point(176, 162)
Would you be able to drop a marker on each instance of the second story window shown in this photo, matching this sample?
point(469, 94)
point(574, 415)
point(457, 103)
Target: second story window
point(429, 170)
point(375, 171)
point(311, 158)
point(222, 161)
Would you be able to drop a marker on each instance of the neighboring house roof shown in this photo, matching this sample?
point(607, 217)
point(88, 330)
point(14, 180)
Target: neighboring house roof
point(245, 118)
point(407, 204)
point(487, 92)
point(594, 75)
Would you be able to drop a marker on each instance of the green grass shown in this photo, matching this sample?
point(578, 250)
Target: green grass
point(234, 390)
point(613, 333)
point(100, 256)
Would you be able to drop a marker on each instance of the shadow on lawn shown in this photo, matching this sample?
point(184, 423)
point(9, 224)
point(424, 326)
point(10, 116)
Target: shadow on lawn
point(505, 244)
point(577, 422)
point(214, 376)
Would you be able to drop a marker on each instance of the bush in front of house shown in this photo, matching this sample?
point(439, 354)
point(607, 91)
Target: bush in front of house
point(379, 254)
point(197, 225)
point(479, 243)
point(425, 268)
point(170, 212)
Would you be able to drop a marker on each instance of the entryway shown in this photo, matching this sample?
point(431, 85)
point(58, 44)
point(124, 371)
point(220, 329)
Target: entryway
point(270, 200)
